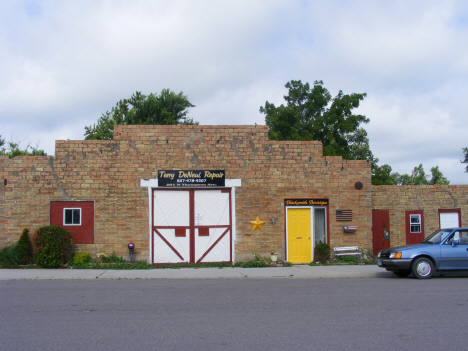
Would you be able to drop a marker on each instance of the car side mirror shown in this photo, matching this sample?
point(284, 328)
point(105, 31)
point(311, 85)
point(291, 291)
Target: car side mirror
point(455, 243)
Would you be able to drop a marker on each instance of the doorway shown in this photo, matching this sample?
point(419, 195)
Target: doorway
point(299, 235)
point(306, 226)
point(192, 226)
point(380, 223)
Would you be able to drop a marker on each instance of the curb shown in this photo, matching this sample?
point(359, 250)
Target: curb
point(295, 272)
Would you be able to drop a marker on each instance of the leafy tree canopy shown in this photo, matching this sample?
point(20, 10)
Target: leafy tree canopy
point(12, 149)
point(312, 114)
point(166, 108)
point(383, 176)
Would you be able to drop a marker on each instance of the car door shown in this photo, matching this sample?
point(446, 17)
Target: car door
point(454, 252)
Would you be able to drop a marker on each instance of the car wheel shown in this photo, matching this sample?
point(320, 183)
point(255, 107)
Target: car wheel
point(402, 274)
point(422, 268)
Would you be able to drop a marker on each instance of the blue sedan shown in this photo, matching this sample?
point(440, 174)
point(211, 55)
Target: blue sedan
point(443, 250)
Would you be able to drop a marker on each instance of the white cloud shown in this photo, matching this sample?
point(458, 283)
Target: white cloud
point(63, 64)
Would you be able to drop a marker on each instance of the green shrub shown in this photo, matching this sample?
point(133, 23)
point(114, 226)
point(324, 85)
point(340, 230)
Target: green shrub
point(82, 257)
point(53, 245)
point(25, 248)
point(322, 252)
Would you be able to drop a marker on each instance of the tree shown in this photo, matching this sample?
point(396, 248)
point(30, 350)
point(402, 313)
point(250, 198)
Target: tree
point(359, 149)
point(465, 152)
point(437, 177)
point(419, 177)
point(382, 175)
point(312, 114)
point(13, 149)
point(166, 108)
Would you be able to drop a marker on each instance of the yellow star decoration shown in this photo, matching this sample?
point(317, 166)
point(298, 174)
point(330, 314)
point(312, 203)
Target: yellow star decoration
point(257, 224)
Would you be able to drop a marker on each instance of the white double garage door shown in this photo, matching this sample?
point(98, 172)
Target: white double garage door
point(192, 226)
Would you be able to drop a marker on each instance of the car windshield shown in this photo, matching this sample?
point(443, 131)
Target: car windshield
point(437, 237)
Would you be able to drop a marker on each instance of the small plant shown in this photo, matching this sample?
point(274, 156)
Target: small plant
point(322, 252)
point(258, 257)
point(128, 265)
point(348, 259)
point(251, 264)
point(368, 256)
point(9, 256)
point(82, 257)
point(19, 253)
point(112, 259)
point(52, 245)
point(194, 265)
point(258, 261)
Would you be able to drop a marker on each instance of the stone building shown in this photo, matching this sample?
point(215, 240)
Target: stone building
point(190, 193)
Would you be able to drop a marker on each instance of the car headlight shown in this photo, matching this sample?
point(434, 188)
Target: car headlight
point(395, 255)
point(378, 255)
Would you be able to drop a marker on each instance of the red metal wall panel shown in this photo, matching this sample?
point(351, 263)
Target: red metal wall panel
point(83, 233)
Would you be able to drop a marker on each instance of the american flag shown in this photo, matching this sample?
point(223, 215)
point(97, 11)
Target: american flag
point(344, 215)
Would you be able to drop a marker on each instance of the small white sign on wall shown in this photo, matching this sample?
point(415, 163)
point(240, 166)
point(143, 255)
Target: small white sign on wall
point(198, 219)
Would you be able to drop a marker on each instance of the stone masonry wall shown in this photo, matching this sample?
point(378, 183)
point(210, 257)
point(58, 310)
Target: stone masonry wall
point(109, 172)
point(429, 198)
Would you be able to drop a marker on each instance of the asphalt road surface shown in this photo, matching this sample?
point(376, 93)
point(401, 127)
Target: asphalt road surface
point(235, 314)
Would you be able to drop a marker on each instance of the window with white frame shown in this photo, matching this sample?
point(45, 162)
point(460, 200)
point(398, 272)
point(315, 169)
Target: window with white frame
point(72, 216)
point(320, 225)
point(415, 223)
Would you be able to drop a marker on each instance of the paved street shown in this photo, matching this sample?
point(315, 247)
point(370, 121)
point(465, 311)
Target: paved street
point(380, 312)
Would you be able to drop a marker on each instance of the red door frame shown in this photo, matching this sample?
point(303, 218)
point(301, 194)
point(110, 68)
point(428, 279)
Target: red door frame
point(192, 226)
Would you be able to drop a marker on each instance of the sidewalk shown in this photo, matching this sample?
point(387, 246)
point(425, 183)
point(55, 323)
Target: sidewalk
point(295, 272)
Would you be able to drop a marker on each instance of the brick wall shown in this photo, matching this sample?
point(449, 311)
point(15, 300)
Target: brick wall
point(430, 199)
point(109, 172)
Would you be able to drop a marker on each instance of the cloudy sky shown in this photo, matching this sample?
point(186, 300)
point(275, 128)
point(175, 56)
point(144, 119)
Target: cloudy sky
point(65, 63)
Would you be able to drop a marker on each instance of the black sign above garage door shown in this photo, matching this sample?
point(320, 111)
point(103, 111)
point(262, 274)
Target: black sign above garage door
point(184, 179)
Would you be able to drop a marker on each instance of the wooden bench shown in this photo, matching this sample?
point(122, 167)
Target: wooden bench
point(347, 250)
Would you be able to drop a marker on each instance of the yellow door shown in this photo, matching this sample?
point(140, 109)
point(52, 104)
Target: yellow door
point(299, 235)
